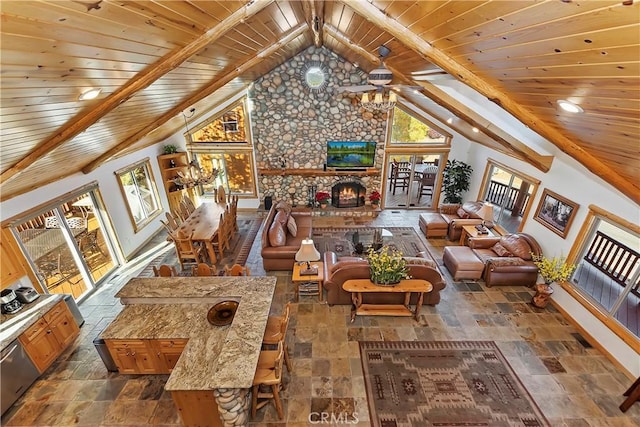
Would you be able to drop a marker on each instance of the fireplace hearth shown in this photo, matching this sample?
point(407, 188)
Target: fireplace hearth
point(349, 194)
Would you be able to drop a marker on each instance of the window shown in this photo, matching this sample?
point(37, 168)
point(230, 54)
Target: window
point(139, 191)
point(236, 171)
point(607, 277)
point(229, 127)
point(510, 193)
point(408, 129)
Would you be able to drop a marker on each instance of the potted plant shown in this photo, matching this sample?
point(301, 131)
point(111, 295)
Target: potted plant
point(551, 270)
point(374, 197)
point(323, 197)
point(456, 178)
point(387, 266)
point(169, 149)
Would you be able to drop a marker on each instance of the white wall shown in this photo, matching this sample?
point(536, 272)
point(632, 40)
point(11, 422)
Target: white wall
point(109, 189)
point(571, 180)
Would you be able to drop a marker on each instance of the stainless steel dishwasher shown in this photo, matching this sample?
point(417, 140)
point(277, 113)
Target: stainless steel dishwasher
point(17, 373)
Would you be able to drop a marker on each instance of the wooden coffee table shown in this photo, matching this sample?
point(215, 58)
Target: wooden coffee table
point(311, 285)
point(357, 287)
point(471, 231)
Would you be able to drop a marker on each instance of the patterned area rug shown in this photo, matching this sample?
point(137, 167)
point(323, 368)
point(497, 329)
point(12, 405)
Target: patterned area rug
point(240, 247)
point(444, 383)
point(341, 240)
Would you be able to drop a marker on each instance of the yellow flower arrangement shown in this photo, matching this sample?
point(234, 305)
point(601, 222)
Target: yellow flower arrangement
point(387, 266)
point(553, 270)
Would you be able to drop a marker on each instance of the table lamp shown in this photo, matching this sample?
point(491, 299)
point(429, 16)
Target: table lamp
point(486, 213)
point(307, 253)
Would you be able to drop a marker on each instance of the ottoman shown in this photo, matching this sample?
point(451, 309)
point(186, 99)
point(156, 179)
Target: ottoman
point(462, 263)
point(433, 225)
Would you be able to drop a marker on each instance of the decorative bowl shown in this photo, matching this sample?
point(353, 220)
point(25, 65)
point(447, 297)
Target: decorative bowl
point(222, 313)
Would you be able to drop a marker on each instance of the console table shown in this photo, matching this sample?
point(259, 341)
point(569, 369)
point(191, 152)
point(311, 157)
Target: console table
point(357, 287)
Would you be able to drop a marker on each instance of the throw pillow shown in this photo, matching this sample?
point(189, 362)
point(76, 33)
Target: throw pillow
point(277, 235)
point(281, 217)
point(516, 245)
point(283, 206)
point(292, 226)
point(462, 213)
point(500, 250)
point(414, 260)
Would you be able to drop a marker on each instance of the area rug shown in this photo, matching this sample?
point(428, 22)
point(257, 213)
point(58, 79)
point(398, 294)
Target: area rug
point(444, 383)
point(240, 246)
point(341, 240)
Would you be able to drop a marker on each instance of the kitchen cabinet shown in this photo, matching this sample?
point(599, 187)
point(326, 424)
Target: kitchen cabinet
point(10, 267)
point(46, 339)
point(146, 356)
point(168, 353)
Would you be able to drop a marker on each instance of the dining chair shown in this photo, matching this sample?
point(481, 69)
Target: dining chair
point(276, 331)
point(76, 222)
point(267, 381)
point(234, 212)
point(172, 221)
point(236, 270)
point(184, 210)
point(186, 250)
point(399, 176)
point(220, 240)
point(203, 269)
point(88, 242)
point(221, 196)
point(189, 204)
point(427, 183)
point(54, 271)
point(165, 270)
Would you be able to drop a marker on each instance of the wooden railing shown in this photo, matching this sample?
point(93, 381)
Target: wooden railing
point(499, 193)
point(616, 260)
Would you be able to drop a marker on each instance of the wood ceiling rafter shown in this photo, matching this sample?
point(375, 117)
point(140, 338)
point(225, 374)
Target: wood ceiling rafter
point(314, 15)
point(510, 145)
point(438, 57)
point(140, 81)
point(217, 83)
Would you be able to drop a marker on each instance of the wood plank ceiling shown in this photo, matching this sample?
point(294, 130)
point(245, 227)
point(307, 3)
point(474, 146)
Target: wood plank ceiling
point(154, 59)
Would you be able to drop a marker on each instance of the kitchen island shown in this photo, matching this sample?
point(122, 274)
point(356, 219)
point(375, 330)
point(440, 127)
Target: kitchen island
point(164, 328)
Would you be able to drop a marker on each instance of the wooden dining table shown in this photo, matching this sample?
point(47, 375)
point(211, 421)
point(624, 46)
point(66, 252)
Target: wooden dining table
point(202, 225)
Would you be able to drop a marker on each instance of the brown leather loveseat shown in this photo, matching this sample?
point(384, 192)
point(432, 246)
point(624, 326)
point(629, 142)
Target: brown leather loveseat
point(337, 270)
point(282, 234)
point(450, 219)
point(508, 259)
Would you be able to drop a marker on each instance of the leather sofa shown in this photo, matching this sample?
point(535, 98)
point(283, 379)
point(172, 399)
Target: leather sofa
point(450, 219)
point(279, 244)
point(337, 270)
point(507, 259)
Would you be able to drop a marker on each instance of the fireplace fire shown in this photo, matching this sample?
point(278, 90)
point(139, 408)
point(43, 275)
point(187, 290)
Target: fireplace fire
point(348, 194)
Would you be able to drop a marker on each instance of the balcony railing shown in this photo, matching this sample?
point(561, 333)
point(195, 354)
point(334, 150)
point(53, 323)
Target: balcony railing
point(616, 260)
point(502, 195)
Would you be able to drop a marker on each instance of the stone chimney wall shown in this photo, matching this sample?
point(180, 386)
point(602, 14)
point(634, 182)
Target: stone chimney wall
point(291, 123)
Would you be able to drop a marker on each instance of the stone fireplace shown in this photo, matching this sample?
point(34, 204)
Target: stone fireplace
point(348, 194)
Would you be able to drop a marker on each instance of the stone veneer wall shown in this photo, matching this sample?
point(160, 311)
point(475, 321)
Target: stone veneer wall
point(292, 124)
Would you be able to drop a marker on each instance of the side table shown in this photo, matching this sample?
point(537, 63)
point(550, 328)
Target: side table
point(308, 285)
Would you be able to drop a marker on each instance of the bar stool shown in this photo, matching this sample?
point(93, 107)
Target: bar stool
point(268, 374)
point(276, 332)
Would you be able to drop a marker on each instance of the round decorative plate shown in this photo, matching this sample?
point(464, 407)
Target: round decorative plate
point(222, 313)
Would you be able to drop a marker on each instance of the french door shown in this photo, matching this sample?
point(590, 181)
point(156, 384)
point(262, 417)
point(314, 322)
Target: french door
point(68, 245)
point(412, 180)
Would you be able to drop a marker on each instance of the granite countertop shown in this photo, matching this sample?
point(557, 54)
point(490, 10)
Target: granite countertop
point(176, 307)
point(12, 325)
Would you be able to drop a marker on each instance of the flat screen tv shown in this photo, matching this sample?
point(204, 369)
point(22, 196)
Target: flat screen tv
point(350, 154)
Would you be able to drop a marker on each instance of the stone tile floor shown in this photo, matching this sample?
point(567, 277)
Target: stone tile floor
point(574, 384)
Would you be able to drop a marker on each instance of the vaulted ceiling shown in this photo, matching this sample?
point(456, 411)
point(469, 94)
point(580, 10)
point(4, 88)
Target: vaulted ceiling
point(154, 59)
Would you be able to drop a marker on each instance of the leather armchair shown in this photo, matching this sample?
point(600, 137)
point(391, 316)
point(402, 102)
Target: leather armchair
point(509, 263)
point(458, 216)
point(338, 270)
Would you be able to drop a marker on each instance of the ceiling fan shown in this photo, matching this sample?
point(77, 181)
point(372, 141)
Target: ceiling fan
point(378, 78)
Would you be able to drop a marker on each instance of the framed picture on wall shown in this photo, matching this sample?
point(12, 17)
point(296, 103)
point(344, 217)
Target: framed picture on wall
point(555, 212)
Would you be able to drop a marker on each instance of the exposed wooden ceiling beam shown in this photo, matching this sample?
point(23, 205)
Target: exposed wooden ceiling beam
point(512, 146)
point(314, 15)
point(216, 84)
point(427, 51)
point(142, 80)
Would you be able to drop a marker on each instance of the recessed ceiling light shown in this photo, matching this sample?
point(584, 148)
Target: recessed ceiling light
point(89, 94)
point(570, 106)
point(450, 120)
point(476, 130)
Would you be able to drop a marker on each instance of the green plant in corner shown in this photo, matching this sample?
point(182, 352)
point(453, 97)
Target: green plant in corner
point(169, 149)
point(456, 178)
